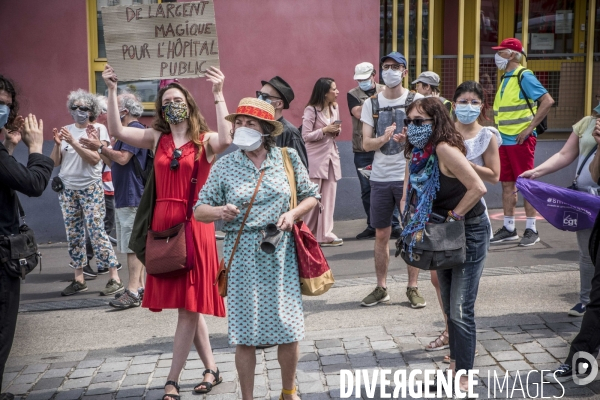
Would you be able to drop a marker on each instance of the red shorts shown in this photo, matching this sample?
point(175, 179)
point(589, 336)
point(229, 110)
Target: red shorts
point(516, 159)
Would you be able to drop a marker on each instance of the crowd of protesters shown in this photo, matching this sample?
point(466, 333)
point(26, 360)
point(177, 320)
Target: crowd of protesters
point(418, 156)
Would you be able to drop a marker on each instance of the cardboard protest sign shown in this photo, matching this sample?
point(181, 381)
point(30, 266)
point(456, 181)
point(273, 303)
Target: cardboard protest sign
point(161, 41)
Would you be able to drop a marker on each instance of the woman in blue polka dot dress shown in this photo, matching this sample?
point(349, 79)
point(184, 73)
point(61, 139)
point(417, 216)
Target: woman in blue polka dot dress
point(264, 303)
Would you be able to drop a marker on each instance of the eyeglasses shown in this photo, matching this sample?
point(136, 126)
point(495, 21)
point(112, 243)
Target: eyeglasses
point(260, 94)
point(475, 103)
point(416, 122)
point(175, 161)
point(395, 67)
point(82, 108)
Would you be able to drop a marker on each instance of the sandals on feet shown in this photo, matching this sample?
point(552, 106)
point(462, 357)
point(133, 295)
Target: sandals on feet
point(172, 396)
point(288, 392)
point(441, 343)
point(205, 386)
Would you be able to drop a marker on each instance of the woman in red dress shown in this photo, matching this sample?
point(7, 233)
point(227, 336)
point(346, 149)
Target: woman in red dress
point(181, 138)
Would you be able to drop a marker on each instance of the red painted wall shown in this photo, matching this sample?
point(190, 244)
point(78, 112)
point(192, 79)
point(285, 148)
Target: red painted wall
point(44, 50)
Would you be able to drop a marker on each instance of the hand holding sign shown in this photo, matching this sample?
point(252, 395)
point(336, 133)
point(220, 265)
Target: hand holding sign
point(110, 77)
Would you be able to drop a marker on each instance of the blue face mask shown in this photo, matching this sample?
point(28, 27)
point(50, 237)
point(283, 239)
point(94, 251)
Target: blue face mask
point(467, 113)
point(4, 112)
point(596, 109)
point(365, 85)
point(419, 136)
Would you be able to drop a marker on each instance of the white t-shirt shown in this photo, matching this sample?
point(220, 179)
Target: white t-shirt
point(75, 173)
point(386, 168)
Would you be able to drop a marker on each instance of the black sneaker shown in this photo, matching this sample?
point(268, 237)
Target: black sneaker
point(396, 234)
point(140, 294)
point(102, 271)
point(74, 288)
point(89, 272)
point(504, 235)
point(529, 238)
point(563, 373)
point(366, 234)
point(126, 300)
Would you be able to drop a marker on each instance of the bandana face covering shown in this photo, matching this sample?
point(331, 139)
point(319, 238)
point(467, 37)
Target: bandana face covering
point(418, 136)
point(175, 113)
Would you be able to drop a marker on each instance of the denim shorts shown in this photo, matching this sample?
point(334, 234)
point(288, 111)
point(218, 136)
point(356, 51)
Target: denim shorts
point(385, 196)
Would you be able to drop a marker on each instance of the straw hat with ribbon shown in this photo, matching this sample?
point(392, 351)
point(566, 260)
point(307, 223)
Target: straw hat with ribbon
point(258, 109)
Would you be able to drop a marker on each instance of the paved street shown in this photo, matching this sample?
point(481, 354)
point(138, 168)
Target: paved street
point(77, 347)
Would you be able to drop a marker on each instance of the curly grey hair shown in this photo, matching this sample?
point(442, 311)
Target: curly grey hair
point(88, 99)
point(130, 102)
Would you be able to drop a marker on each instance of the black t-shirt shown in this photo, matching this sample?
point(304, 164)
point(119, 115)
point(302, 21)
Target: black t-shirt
point(354, 102)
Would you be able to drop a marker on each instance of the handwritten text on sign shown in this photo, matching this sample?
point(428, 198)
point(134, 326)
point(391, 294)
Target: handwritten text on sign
point(159, 41)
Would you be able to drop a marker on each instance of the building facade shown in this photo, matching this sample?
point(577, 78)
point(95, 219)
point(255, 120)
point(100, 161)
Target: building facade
point(54, 46)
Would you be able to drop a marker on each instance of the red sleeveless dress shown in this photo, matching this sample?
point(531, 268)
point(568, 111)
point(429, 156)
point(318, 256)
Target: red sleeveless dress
point(194, 291)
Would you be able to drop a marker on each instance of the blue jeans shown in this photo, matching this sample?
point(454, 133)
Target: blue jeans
point(362, 160)
point(459, 287)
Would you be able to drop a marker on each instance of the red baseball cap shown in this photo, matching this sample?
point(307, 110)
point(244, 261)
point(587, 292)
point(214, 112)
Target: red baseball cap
point(511, 44)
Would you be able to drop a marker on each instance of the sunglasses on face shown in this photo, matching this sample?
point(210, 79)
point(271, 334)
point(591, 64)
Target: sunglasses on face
point(260, 94)
point(82, 108)
point(175, 161)
point(416, 122)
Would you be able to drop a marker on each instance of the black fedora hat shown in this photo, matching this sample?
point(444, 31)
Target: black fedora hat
point(284, 90)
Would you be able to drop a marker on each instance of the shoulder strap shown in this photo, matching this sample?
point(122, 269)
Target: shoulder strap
point(315, 123)
point(587, 157)
point(289, 171)
point(21, 210)
point(409, 99)
point(519, 79)
point(192, 193)
point(239, 235)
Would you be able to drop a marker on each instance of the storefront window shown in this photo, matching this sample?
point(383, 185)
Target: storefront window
point(551, 26)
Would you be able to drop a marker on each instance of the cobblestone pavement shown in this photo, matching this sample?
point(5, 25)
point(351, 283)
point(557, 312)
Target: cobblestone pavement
point(322, 356)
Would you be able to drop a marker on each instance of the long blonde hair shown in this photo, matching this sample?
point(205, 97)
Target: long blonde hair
point(196, 123)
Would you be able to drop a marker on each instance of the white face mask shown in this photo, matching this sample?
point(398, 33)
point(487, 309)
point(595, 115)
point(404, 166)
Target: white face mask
point(501, 62)
point(247, 139)
point(392, 78)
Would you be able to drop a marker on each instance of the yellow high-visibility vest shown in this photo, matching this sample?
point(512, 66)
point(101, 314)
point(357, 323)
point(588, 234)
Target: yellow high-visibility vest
point(511, 113)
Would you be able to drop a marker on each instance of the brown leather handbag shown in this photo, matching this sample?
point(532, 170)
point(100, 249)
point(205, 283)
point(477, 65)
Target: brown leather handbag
point(223, 273)
point(170, 253)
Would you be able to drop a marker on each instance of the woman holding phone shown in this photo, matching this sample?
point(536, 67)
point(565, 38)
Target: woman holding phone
point(321, 124)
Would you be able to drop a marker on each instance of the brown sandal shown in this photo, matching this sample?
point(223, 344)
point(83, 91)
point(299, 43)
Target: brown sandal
point(446, 359)
point(439, 343)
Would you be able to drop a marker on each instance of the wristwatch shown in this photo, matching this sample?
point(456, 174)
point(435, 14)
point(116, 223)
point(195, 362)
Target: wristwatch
point(100, 149)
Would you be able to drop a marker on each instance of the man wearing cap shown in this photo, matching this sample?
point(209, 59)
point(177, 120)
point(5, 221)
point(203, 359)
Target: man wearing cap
point(516, 114)
point(428, 84)
point(279, 94)
point(364, 74)
point(383, 118)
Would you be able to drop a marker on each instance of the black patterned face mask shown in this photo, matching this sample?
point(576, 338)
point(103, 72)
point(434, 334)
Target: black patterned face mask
point(418, 136)
point(175, 113)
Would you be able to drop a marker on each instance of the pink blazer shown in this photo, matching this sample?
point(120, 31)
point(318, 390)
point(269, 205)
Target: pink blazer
point(321, 148)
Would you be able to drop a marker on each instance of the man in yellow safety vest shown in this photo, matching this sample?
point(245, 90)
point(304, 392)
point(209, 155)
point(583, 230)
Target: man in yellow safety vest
point(517, 115)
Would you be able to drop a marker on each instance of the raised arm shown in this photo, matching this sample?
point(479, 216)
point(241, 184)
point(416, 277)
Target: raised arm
point(145, 139)
point(219, 141)
point(454, 162)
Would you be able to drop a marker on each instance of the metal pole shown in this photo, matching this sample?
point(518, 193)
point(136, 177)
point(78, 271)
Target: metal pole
point(430, 36)
point(589, 57)
point(477, 40)
point(394, 25)
point(525, 30)
point(419, 47)
point(406, 51)
point(461, 34)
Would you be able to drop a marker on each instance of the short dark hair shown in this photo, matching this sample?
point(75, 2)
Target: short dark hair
point(8, 87)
